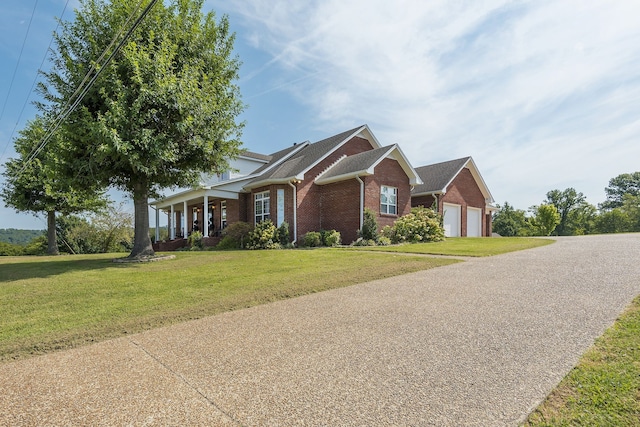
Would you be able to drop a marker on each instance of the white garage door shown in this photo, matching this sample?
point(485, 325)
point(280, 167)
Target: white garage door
point(451, 220)
point(474, 225)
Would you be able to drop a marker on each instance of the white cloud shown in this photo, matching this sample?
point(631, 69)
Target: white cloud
point(543, 94)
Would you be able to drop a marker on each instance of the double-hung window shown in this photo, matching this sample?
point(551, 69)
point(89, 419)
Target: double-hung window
point(261, 203)
point(223, 214)
point(388, 200)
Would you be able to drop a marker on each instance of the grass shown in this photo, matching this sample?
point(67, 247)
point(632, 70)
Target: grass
point(604, 388)
point(465, 246)
point(51, 303)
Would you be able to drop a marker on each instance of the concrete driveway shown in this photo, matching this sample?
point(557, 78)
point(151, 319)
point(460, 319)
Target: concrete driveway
point(476, 343)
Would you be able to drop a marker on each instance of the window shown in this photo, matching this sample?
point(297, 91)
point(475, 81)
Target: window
point(388, 200)
point(223, 214)
point(224, 176)
point(262, 206)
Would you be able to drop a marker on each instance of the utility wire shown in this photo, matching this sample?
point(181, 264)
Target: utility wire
point(15, 71)
point(69, 109)
point(35, 79)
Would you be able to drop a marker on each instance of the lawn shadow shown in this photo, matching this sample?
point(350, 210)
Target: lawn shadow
point(13, 271)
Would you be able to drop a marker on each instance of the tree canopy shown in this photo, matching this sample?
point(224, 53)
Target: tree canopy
point(509, 221)
point(33, 184)
point(163, 111)
point(546, 219)
point(621, 185)
point(570, 205)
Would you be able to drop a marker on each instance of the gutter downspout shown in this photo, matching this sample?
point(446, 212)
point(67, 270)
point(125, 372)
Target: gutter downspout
point(295, 212)
point(361, 201)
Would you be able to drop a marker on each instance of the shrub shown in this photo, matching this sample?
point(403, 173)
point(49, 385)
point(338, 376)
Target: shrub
point(369, 230)
point(283, 234)
point(312, 239)
point(264, 236)
point(388, 232)
point(238, 233)
point(195, 241)
point(421, 225)
point(10, 249)
point(383, 241)
point(331, 238)
point(228, 242)
point(364, 242)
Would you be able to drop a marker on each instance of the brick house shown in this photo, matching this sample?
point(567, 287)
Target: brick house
point(460, 194)
point(312, 186)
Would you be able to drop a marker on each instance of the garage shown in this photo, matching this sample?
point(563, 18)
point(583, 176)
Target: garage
point(474, 222)
point(451, 220)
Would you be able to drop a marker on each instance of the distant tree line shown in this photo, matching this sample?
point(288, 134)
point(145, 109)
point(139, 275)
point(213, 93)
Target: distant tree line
point(19, 237)
point(567, 213)
point(107, 230)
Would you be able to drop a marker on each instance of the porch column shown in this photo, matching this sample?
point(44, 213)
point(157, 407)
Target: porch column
point(157, 224)
point(184, 222)
point(205, 217)
point(172, 224)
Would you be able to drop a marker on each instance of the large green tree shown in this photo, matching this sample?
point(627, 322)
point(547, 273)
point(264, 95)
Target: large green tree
point(509, 221)
point(576, 215)
point(545, 219)
point(164, 109)
point(33, 184)
point(621, 185)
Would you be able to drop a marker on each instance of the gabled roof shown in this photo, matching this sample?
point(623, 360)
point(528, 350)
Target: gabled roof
point(255, 156)
point(294, 167)
point(362, 164)
point(278, 157)
point(437, 177)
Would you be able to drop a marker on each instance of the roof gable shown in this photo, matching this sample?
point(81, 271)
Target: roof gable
point(437, 177)
point(362, 164)
point(298, 164)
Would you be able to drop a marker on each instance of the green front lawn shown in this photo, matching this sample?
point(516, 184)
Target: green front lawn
point(50, 303)
point(465, 246)
point(604, 389)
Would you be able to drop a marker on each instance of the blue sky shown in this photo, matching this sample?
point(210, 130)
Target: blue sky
point(542, 94)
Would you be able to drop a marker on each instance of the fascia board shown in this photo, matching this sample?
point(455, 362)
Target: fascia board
point(253, 159)
point(478, 177)
point(364, 128)
point(428, 193)
point(268, 182)
point(344, 177)
point(414, 178)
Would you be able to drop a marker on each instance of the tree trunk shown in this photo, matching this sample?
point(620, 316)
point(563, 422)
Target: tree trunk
point(141, 240)
point(52, 241)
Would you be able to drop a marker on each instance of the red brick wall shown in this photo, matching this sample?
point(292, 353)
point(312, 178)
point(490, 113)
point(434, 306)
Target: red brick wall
point(249, 201)
point(389, 173)
point(340, 206)
point(465, 192)
point(244, 200)
point(424, 201)
point(310, 194)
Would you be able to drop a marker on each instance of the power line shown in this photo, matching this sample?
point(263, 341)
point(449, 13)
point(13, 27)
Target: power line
point(15, 71)
point(83, 91)
point(35, 79)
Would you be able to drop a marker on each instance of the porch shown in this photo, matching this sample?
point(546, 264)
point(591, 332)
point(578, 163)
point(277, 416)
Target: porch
point(203, 210)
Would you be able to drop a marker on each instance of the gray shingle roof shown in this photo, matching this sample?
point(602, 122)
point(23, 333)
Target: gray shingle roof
point(436, 177)
point(302, 160)
point(357, 162)
point(257, 156)
point(277, 156)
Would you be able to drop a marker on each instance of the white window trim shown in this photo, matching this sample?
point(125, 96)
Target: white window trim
point(223, 214)
point(384, 207)
point(262, 196)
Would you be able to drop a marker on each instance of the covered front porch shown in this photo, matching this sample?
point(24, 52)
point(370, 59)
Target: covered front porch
point(207, 211)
